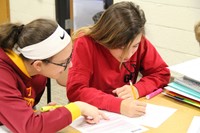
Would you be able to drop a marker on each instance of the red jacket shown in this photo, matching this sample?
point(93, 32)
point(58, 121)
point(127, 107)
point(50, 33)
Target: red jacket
point(18, 94)
point(95, 73)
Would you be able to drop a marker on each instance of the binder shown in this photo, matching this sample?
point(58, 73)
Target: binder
point(187, 87)
point(184, 89)
point(188, 83)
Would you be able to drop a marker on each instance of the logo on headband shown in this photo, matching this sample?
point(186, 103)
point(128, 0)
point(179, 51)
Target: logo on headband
point(62, 37)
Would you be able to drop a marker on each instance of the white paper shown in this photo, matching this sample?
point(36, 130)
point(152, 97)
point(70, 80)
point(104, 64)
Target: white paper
point(4, 129)
point(195, 125)
point(189, 68)
point(116, 124)
point(154, 117)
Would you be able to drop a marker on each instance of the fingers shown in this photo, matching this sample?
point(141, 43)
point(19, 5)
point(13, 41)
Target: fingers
point(138, 114)
point(96, 117)
point(118, 90)
point(140, 108)
point(126, 96)
point(51, 103)
point(103, 115)
point(137, 111)
point(139, 103)
point(124, 92)
point(132, 108)
point(92, 120)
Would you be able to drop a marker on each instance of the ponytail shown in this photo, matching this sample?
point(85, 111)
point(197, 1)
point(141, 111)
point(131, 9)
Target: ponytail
point(9, 35)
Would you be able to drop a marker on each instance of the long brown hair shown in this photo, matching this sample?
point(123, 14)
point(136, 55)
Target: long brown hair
point(197, 31)
point(117, 27)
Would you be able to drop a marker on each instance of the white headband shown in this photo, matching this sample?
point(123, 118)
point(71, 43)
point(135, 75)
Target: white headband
point(48, 47)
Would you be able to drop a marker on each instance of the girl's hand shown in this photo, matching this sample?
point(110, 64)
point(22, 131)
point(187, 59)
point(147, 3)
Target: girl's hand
point(132, 108)
point(91, 113)
point(126, 92)
point(51, 104)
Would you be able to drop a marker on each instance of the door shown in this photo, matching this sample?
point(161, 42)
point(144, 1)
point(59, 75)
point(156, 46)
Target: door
point(73, 14)
point(5, 11)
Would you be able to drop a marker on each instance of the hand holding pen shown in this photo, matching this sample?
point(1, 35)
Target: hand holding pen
point(132, 108)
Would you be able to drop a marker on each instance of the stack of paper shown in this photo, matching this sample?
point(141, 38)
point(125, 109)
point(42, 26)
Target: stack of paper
point(187, 87)
point(190, 69)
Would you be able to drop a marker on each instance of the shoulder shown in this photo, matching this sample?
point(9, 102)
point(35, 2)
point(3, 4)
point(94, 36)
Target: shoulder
point(84, 39)
point(146, 45)
point(85, 42)
point(145, 42)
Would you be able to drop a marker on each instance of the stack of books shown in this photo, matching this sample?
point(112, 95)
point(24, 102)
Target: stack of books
point(185, 88)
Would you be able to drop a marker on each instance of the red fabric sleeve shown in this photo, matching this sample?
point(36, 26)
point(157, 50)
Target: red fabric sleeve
point(155, 73)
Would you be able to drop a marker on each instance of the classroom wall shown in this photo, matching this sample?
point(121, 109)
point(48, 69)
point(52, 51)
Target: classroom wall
point(25, 11)
point(170, 27)
point(169, 23)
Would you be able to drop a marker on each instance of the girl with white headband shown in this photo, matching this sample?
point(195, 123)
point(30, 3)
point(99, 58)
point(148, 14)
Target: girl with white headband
point(28, 55)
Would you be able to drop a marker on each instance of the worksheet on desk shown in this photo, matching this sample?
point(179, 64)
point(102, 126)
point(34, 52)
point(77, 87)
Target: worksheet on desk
point(115, 124)
point(195, 125)
point(154, 117)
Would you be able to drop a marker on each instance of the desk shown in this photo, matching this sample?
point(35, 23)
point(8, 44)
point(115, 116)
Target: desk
point(179, 122)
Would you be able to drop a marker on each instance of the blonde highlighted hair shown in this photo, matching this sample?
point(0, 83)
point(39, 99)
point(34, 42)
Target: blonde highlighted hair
point(117, 26)
point(197, 31)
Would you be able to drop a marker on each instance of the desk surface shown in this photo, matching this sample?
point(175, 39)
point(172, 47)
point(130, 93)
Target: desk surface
point(179, 122)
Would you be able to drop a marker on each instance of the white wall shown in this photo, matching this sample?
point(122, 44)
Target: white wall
point(25, 11)
point(170, 27)
point(169, 23)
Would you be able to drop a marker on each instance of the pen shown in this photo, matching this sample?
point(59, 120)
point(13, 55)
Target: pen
point(133, 89)
point(47, 108)
point(158, 91)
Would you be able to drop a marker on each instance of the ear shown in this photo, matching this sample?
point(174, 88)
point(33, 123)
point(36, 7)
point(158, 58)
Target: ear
point(38, 65)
